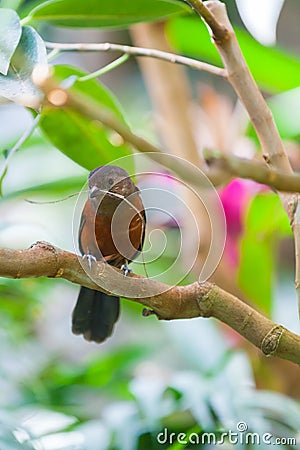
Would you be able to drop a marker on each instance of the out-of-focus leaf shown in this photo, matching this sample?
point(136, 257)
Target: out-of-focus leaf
point(84, 141)
point(96, 435)
point(194, 342)
point(276, 405)
point(39, 421)
point(12, 4)
point(267, 216)
point(9, 37)
point(152, 399)
point(69, 440)
point(111, 372)
point(265, 221)
point(17, 86)
point(195, 390)
point(112, 366)
point(285, 108)
point(124, 421)
point(104, 13)
point(16, 304)
point(264, 29)
point(8, 440)
point(274, 69)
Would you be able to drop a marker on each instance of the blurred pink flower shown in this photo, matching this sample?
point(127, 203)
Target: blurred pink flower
point(235, 198)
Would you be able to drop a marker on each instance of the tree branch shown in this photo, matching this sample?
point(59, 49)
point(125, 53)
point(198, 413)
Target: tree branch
point(244, 85)
point(260, 115)
point(220, 32)
point(177, 302)
point(61, 98)
point(253, 170)
point(137, 51)
point(58, 97)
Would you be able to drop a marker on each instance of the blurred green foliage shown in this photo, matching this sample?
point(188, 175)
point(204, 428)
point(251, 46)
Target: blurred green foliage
point(265, 223)
point(59, 393)
point(92, 14)
point(262, 60)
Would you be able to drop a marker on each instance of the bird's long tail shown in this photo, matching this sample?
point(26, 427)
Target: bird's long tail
point(95, 314)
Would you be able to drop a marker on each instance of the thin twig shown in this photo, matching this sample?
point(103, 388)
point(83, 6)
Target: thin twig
point(113, 65)
point(138, 51)
point(18, 144)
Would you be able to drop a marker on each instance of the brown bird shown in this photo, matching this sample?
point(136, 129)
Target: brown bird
point(112, 228)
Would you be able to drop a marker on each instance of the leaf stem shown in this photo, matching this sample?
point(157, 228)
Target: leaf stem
point(113, 65)
point(16, 147)
point(25, 20)
point(51, 55)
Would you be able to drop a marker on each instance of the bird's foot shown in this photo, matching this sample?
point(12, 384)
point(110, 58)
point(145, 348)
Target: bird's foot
point(90, 259)
point(126, 269)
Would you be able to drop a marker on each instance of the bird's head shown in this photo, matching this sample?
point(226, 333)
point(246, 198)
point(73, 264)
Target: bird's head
point(109, 185)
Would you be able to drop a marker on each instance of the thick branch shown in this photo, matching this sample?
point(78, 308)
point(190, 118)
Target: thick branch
point(260, 115)
point(178, 302)
point(245, 87)
point(253, 170)
point(137, 51)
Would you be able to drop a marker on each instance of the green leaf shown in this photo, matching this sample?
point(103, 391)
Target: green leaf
point(113, 366)
point(105, 370)
point(256, 271)
point(8, 440)
point(11, 4)
point(274, 69)
point(266, 220)
point(9, 37)
point(104, 13)
point(84, 141)
point(285, 108)
point(267, 217)
point(17, 86)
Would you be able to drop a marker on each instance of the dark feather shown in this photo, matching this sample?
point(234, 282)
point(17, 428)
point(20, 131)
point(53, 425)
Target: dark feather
point(95, 314)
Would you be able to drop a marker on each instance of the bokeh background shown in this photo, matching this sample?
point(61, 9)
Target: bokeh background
point(58, 391)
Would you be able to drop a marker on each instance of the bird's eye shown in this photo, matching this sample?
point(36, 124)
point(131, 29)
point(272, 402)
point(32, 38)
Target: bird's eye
point(110, 181)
